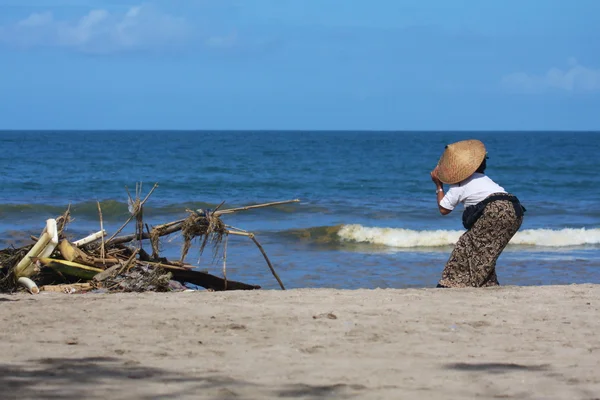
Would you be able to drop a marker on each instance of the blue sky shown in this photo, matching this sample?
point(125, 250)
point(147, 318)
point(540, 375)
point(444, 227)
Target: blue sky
point(300, 64)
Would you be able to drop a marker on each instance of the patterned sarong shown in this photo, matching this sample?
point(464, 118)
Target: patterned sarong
point(473, 260)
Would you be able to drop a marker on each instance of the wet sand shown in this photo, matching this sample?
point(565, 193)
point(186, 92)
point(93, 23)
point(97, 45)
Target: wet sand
point(507, 342)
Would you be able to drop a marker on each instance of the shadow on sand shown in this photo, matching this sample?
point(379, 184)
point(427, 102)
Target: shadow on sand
point(496, 368)
point(109, 377)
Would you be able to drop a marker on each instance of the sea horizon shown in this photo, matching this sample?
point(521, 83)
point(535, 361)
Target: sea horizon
point(275, 130)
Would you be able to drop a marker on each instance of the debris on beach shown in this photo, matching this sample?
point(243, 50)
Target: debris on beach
point(56, 263)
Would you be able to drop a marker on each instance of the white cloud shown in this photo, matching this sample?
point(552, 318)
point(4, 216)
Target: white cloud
point(576, 78)
point(36, 20)
point(99, 31)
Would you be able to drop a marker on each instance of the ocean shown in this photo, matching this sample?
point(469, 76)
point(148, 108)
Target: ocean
point(367, 216)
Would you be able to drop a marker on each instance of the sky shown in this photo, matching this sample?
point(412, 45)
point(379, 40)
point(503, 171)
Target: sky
point(300, 64)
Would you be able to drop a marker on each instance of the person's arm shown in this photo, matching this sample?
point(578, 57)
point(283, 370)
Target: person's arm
point(439, 190)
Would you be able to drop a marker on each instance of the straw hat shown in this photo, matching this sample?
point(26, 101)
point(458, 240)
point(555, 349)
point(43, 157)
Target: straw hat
point(460, 160)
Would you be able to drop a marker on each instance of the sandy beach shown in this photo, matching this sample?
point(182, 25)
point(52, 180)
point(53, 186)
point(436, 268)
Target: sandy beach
point(507, 342)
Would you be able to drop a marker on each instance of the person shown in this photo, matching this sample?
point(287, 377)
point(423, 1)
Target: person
point(491, 215)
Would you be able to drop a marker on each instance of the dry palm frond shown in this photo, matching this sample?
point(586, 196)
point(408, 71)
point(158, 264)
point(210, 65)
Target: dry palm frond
point(155, 235)
point(206, 226)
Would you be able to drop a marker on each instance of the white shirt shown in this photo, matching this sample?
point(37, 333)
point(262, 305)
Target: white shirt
point(470, 191)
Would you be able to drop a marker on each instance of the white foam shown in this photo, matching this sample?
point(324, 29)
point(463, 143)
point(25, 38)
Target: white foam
point(406, 238)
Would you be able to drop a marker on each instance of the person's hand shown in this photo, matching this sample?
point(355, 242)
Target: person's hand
point(434, 177)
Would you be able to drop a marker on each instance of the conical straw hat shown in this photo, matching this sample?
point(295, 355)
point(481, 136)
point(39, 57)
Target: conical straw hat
point(460, 160)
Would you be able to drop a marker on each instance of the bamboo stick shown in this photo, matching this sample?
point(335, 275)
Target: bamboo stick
point(219, 206)
point(235, 228)
point(275, 203)
point(102, 252)
point(169, 224)
point(251, 236)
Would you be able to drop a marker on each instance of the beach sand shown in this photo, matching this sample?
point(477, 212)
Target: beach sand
point(507, 342)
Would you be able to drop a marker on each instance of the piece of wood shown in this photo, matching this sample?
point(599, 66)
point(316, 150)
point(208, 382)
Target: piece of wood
point(107, 273)
point(208, 281)
point(187, 274)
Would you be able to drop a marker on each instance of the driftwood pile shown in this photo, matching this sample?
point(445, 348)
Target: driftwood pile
point(119, 263)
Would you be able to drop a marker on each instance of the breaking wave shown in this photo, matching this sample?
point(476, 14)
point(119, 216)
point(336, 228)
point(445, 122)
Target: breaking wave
point(406, 238)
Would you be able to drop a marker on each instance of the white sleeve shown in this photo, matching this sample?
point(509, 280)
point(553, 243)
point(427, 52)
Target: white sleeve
point(452, 197)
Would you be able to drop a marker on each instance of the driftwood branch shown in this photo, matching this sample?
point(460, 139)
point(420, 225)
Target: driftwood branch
point(186, 274)
point(253, 238)
point(276, 203)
